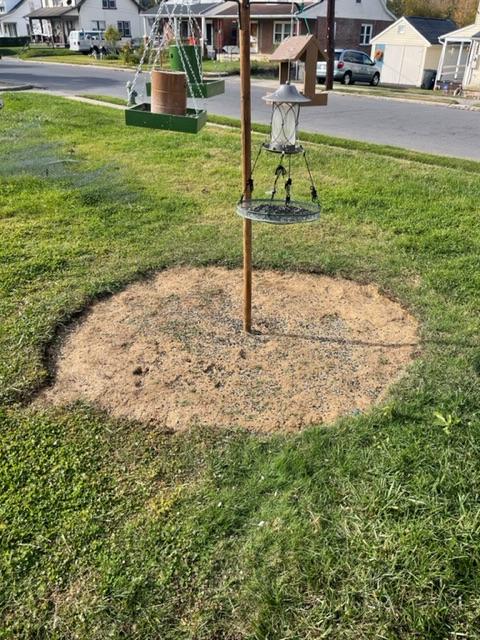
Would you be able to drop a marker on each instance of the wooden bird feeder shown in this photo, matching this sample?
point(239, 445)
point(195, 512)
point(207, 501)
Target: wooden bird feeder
point(304, 49)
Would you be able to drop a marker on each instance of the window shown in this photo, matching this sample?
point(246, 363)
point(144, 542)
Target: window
point(124, 29)
point(109, 4)
point(2, 8)
point(366, 33)
point(366, 59)
point(356, 57)
point(10, 29)
point(99, 25)
point(401, 28)
point(353, 57)
point(281, 30)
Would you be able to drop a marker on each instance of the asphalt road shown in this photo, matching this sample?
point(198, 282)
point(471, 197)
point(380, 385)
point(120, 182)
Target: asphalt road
point(430, 128)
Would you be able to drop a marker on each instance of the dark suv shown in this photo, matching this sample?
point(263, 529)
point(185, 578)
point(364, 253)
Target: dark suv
point(351, 66)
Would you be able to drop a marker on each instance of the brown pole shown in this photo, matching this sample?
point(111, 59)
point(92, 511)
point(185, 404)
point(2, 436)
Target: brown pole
point(330, 44)
point(246, 120)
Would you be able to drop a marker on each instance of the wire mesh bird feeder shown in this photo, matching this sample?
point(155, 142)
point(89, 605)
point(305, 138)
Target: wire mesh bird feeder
point(286, 102)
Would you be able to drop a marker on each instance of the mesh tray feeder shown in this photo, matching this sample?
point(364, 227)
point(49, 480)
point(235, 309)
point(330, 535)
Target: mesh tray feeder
point(286, 101)
point(279, 211)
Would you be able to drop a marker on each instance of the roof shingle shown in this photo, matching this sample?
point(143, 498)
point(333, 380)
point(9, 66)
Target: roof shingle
point(431, 28)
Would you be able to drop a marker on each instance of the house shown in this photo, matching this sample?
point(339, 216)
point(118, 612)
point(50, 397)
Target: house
point(54, 19)
point(270, 24)
point(408, 48)
point(460, 58)
point(13, 22)
point(356, 22)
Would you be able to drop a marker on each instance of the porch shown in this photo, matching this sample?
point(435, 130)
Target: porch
point(457, 56)
point(52, 25)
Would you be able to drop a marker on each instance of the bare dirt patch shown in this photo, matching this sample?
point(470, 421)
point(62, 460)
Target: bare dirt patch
point(171, 351)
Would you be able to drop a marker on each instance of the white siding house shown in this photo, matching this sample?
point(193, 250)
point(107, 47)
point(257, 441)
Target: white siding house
point(13, 21)
point(123, 14)
point(410, 46)
point(55, 19)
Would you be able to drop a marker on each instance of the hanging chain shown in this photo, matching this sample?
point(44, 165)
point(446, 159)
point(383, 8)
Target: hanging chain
point(147, 49)
point(250, 179)
point(288, 183)
point(280, 171)
point(313, 190)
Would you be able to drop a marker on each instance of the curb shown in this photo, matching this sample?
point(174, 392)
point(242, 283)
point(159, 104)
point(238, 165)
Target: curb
point(17, 87)
point(433, 103)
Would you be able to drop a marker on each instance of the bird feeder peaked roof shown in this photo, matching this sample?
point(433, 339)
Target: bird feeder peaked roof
point(295, 48)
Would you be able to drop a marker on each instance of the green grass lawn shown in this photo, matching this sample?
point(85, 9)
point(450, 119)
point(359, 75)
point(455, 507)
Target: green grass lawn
point(50, 52)
point(229, 67)
point(103, 98)
point(364, 529)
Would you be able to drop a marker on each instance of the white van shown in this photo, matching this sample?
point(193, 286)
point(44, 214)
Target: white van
point(84, 41)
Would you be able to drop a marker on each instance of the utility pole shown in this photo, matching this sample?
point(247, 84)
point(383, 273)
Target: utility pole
point(246, 120)
point(330, 44)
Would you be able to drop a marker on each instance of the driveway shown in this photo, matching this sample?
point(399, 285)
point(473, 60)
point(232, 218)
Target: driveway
point(422, 127)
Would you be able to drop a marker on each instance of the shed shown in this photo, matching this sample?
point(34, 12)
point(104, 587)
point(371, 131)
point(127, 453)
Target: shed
point(409, 47)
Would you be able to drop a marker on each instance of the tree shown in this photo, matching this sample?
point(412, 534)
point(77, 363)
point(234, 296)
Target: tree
point(112, 36)
point(462, 11)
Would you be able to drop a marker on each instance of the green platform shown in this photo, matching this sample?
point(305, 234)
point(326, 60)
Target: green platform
point(205, 89)
point(141, 116)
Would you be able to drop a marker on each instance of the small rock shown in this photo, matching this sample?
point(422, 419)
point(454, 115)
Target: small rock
point(137, 371)
point(242, 354)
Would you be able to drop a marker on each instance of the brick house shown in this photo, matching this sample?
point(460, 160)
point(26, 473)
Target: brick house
point(357, 21)
point(270, 24)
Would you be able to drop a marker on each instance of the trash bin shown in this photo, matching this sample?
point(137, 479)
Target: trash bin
point(429, 77)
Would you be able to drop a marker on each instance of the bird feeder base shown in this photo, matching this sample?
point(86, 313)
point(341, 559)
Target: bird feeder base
point(141, 116)
point(204, 89)
point(278, 211)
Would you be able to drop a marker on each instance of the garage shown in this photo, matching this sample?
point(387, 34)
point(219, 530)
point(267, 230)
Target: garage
point(408, 48)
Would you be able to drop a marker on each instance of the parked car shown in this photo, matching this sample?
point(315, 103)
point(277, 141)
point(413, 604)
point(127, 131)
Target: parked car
point(351, 66)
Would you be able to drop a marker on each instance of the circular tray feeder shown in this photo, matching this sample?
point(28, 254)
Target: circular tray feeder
point(278, 211)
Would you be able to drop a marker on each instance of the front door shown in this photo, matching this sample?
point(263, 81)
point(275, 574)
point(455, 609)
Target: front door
point(209, 33)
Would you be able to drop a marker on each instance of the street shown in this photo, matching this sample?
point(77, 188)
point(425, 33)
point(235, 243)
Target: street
point(422, 127)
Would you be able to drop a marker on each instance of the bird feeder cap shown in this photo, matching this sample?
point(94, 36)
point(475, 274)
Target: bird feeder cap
point(286, 93)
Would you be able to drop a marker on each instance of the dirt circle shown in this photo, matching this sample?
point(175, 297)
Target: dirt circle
point(171, 351)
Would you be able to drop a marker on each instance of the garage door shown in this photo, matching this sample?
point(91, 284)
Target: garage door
point(402, 65)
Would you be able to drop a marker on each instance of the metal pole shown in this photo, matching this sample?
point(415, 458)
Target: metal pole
point(246, 120)
point(330, 44)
